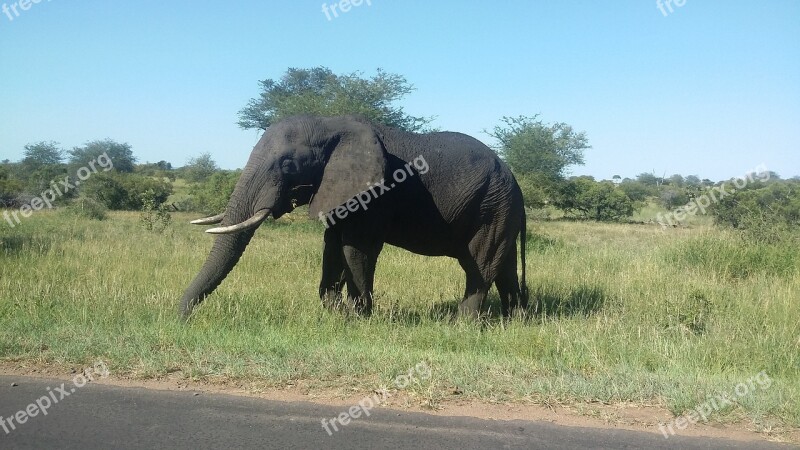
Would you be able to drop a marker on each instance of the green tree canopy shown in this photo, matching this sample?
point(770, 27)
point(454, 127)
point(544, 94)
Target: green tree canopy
point(676, 180)
point(42, 154)
point(121, 155)
point(211, 195)
point(41, 164)
point(125, 191)
point(759, 202)
point(319, 91)
point(590, 199)
point(692, 180)
point(647, 178)
point(200, 168)
point(9, 187)
point(530, 146)
point(636, 190)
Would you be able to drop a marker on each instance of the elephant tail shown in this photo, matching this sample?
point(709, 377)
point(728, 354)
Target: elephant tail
point(523, 288)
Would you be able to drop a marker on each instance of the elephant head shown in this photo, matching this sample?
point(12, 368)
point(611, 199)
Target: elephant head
point(319, 161)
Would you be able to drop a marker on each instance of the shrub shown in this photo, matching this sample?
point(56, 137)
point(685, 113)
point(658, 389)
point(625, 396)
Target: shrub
point(637, 191)
point(9, 188)
point(125, 191)
point(212, 196)
point(594, 200)
point(673, 198)
point(154, 216)
point(88, 208)
point(764, 211)
point(200, 168)
point(534, 190)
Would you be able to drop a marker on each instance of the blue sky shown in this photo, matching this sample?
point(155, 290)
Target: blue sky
point(712, 88)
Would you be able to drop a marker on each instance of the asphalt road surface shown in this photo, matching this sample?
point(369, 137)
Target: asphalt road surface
point(101, 416)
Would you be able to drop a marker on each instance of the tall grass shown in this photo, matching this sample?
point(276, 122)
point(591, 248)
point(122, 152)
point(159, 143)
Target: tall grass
point(626, 313)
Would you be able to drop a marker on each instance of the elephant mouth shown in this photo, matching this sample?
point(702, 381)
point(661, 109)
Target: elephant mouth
point(248, 224)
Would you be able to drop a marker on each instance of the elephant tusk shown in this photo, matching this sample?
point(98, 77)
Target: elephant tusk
point(243, 226)
point(208, 220)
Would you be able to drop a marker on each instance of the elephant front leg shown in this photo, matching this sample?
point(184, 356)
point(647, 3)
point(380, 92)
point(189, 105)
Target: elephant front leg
point(361, 262)
point(333, 271)
point(361, 268)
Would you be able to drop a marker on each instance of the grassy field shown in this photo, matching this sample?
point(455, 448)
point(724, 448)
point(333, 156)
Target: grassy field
point(630, 313)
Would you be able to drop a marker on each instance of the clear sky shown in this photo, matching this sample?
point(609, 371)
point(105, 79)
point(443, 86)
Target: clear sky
point(710, 88)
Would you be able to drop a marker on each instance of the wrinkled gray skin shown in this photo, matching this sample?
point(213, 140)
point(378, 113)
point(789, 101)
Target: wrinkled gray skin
point(466, 205)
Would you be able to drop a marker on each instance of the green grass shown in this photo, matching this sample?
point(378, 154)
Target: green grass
point(630, 313)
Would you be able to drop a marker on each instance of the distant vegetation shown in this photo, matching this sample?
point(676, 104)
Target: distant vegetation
point(540, 155)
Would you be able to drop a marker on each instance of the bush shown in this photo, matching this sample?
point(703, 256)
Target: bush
point(535, 189)
point(673, 198)
point(200, 168)
point(764, 211)
point(154, 216)
point(9, 188)
point(637, 191)
point(87, 208)
point(594, 200)
point(212, 196)
point(124, 191)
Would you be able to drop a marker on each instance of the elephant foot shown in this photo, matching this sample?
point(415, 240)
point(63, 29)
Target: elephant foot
point(470, 307)
point(363, 309)
point(334, 301)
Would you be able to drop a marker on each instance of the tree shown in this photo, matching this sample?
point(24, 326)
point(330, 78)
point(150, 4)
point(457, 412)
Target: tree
point(213, 194)
point(692, 180)
point(530, 146)
point(318, 91)
point(766, 211)
point(9, 188)
point(161, 169)
point(676, 180)
point(536, 191)
point(672, 198)
point(200, 168)
point(42, 154)
point(163, 165)
point(594, 200)
point(121, 155)
point(767, 176)
point(41, 165)
point(636, 190)
point(648, 179)
point(539, 154)
point(125, 191)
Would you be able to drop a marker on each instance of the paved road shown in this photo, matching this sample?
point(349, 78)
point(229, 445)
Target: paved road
point(97, 416)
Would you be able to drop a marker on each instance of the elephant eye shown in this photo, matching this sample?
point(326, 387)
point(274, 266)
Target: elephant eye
point(288, 166)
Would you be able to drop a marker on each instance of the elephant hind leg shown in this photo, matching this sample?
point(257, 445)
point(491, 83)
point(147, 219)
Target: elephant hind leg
point(476, 290)
point(491, 259)
point(508, 286)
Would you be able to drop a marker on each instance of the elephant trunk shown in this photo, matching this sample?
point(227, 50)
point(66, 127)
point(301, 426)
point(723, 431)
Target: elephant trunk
point(224, 255)
point(251, 202)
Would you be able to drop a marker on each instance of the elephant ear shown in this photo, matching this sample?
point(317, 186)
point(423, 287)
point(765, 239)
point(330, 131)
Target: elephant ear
point(356, 162)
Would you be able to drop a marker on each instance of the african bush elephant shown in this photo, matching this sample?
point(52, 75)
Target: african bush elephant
point(437, 194)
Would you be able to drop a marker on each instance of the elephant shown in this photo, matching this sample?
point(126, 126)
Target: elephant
point(435, 194)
